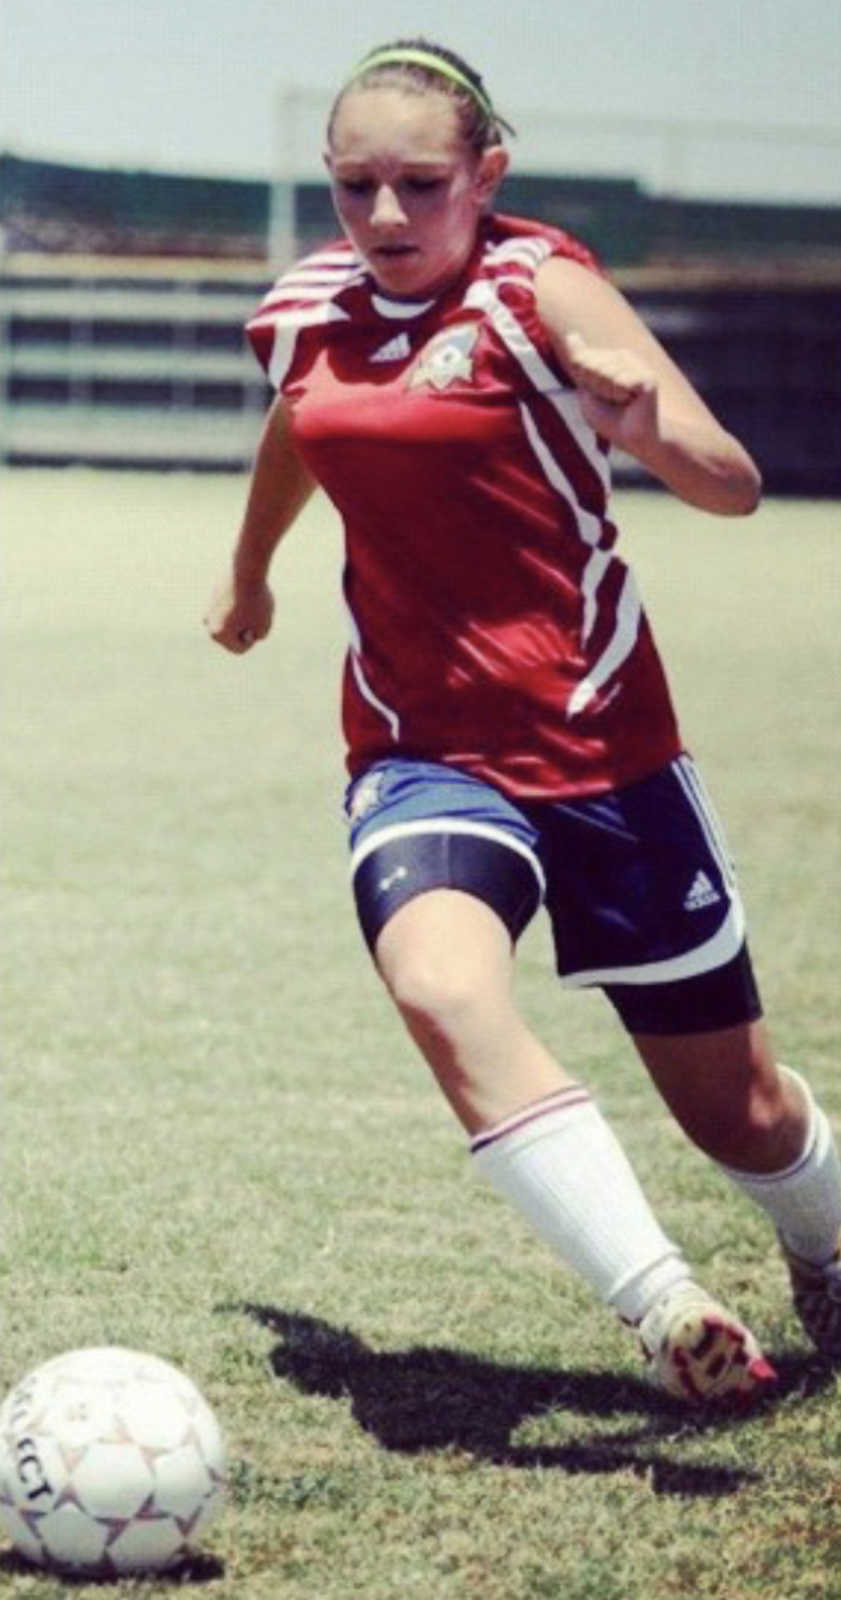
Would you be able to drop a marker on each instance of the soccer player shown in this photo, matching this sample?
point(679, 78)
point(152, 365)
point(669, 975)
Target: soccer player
point(454, 379)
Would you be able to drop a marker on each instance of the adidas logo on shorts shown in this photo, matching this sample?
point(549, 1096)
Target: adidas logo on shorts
point(702, 893)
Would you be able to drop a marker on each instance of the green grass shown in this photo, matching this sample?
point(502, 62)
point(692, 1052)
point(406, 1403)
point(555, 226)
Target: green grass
point(220, 1146)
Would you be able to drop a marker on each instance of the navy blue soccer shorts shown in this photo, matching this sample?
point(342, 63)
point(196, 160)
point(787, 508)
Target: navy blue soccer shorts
point(638, 882)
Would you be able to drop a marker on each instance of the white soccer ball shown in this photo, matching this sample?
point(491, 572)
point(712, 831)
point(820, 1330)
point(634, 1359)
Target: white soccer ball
point(111, 1461)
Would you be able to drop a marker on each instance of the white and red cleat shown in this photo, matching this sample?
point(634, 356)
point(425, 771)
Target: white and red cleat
point(699, 1352)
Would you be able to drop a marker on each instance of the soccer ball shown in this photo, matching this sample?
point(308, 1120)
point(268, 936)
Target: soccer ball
point(111, 1462)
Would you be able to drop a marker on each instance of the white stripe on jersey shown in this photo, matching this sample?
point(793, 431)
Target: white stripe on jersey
point(323, 274)
point(368, 694)
point(628, 617)
point(594, 571)
point(589, 525)
point(362, 683)
point(301, 316)
point(566, 403)
point(316, 270)
point(483, 295)
point(317, 278)
point(293, 292)
point(568, 407)
point(531, 252)
point(319, 260)
point(340, 257)
point(286, 325)
point(629, 610)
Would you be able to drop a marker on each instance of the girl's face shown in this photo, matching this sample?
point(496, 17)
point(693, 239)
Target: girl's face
point(407, 189)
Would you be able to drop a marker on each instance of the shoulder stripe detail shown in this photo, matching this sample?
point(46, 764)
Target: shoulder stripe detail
point(342, 258)
point(483, 295)
point(304, 297)
point(317, 270)
point(311, 285)
point(300, 316)
point(284, 326)
point(326, 272)
point(531, 252)
point(339, 257)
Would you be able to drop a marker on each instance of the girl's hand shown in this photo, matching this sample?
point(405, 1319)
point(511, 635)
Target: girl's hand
point(634, 396)
point(237, 618)
point(617, 390)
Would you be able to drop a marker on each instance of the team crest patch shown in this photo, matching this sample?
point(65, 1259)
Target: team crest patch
point(447, 357)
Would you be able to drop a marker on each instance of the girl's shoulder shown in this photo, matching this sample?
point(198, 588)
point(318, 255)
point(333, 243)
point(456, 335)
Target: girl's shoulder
point(305, 296)
point(504, 287)
point(523, 242)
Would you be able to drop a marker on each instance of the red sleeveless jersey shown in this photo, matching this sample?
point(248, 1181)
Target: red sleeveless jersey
point(493, 626)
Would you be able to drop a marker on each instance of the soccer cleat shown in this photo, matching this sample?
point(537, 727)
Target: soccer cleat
point(699, 1352)
point(816, 1292)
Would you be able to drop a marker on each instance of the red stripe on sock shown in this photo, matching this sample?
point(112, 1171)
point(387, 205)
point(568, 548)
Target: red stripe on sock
point(559, 1100)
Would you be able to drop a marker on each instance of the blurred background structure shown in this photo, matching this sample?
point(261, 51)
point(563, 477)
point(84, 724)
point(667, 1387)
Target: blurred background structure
point(123, 293)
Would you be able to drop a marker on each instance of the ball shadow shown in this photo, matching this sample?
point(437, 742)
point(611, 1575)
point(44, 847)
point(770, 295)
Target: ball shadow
point(197, 1569)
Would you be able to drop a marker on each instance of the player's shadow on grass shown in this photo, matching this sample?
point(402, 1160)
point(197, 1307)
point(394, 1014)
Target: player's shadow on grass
point(434, 1399)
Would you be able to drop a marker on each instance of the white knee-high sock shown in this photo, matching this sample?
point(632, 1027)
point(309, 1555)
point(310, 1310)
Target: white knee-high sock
point(804, 1200)
point(559, 1163)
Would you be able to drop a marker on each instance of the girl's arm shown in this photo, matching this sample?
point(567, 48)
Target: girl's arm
point(634, 396)
point(241, 608)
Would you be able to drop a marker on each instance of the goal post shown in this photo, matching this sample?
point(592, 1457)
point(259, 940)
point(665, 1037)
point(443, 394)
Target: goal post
point(299, 130)
point(669, 158)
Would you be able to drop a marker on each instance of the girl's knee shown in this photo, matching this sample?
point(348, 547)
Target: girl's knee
point(437, 990)
point(446, 961)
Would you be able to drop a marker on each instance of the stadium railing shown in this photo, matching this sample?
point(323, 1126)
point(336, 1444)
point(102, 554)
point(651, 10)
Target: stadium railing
point(144, 363)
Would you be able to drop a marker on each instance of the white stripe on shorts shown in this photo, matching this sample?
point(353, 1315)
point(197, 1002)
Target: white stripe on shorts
point(692, 784)
point(724, 944)
point(422, 825)
point(715, 952)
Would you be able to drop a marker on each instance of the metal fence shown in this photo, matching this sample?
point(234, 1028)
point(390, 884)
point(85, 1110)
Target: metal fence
point(112, 363)
point(145, 364)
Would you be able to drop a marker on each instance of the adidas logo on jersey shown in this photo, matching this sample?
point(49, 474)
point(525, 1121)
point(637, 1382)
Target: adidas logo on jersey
point(395, 350)
point(703, 893)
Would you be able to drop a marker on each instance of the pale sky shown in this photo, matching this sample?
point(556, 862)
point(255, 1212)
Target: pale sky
point(193, 85)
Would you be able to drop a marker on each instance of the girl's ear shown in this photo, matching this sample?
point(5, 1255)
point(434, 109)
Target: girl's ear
point(493, 165)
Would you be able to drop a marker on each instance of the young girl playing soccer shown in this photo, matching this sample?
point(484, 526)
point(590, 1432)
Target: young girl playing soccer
point(454, 379)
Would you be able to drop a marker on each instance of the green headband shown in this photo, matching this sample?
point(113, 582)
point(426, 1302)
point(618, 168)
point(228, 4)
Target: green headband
point(423, 58)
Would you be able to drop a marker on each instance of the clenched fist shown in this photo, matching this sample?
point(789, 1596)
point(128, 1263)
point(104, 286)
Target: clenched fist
point(237, 617)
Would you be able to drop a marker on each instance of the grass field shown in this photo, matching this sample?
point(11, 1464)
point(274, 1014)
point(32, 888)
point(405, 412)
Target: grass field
point(219, 1145)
